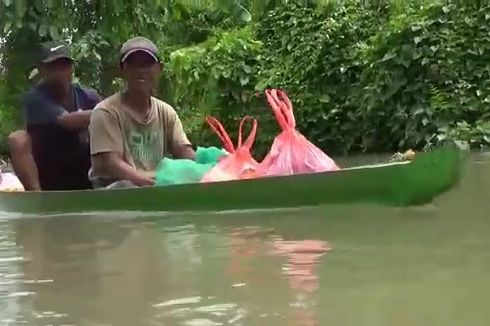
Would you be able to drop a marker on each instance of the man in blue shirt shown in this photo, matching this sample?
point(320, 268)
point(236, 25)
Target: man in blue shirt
point(53, 152)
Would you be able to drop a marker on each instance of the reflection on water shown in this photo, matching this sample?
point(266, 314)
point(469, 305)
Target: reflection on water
point(301, 268)
point(359, 265)
point(9, 277)
point(87, 271)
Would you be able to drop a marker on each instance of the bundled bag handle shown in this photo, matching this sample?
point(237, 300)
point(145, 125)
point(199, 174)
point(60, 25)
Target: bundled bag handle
point(225, 138)
point(251, 137)
point(222, 134)
point(282, 108)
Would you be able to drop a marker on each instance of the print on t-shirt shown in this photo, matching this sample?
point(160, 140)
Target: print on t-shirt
point(144, 144)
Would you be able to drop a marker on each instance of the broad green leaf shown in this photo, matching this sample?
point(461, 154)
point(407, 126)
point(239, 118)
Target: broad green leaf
point(388, 56)
point(226, 73)
point(245, 16)
point(53, 32)
point(415, 28)
point(261, 85)
point(325, 98)
point(34, 72)
point(7, 27)
point(247, 69)
point(43, 30)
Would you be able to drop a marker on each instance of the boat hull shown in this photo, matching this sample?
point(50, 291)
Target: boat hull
point(414, 183)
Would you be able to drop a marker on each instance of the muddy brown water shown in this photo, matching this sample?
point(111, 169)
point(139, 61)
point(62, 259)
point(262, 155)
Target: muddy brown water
point(341, 265)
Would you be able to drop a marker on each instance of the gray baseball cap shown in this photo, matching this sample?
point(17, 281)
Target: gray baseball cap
point(136, 44)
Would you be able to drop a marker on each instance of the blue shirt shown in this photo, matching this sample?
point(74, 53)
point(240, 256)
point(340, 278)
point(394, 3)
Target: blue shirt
point(40, 106)
point(62, 155)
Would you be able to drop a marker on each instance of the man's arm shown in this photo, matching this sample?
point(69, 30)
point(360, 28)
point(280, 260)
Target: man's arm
point(80, 120)
point(180, 145)
point(106, 148)
point(184, 152)
point(120, 170)
point(40, 110)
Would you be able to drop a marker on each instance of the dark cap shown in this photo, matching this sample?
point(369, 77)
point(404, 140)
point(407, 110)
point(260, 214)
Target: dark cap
point(136, 44)
point(52, 51)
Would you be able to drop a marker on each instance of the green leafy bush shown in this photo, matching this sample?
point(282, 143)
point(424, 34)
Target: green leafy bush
point(425, 72)
point(366, 79)
point(216, 77)
point(362, 77)
point(314, 56)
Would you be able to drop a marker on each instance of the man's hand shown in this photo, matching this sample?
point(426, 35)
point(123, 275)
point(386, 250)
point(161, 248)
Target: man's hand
point(112, 164)
point(143, 179)
point(184, 152)
point(78, 120)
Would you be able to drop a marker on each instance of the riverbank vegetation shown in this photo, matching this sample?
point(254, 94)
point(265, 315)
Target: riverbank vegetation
point(377, 77)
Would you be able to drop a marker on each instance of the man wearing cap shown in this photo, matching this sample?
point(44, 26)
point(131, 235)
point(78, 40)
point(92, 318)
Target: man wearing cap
point(53, 152)
point(132, 131)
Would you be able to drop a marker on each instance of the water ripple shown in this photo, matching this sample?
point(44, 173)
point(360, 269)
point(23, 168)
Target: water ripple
point(11, 287)
point(198, 311)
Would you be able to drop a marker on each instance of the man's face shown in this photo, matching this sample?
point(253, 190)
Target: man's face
point(59, 72)
point(141, 71)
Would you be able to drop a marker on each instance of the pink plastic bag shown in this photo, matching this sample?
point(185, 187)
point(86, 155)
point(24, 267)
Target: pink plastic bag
point(291, 153)
point(239, 164)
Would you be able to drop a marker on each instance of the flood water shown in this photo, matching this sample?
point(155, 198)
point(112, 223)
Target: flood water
point(344, 265)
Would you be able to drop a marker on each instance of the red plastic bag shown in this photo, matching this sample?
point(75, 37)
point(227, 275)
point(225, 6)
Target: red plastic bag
point(239, 164)
point(291, 153)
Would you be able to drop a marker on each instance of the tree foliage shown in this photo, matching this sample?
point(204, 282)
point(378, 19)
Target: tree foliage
point(363, 76)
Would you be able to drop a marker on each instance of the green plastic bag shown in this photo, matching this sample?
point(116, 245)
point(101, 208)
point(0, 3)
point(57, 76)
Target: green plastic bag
point(182, 171)
point(209, 155)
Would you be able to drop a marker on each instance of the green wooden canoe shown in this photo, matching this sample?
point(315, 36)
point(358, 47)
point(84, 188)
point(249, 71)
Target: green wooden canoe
point(400, 184)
